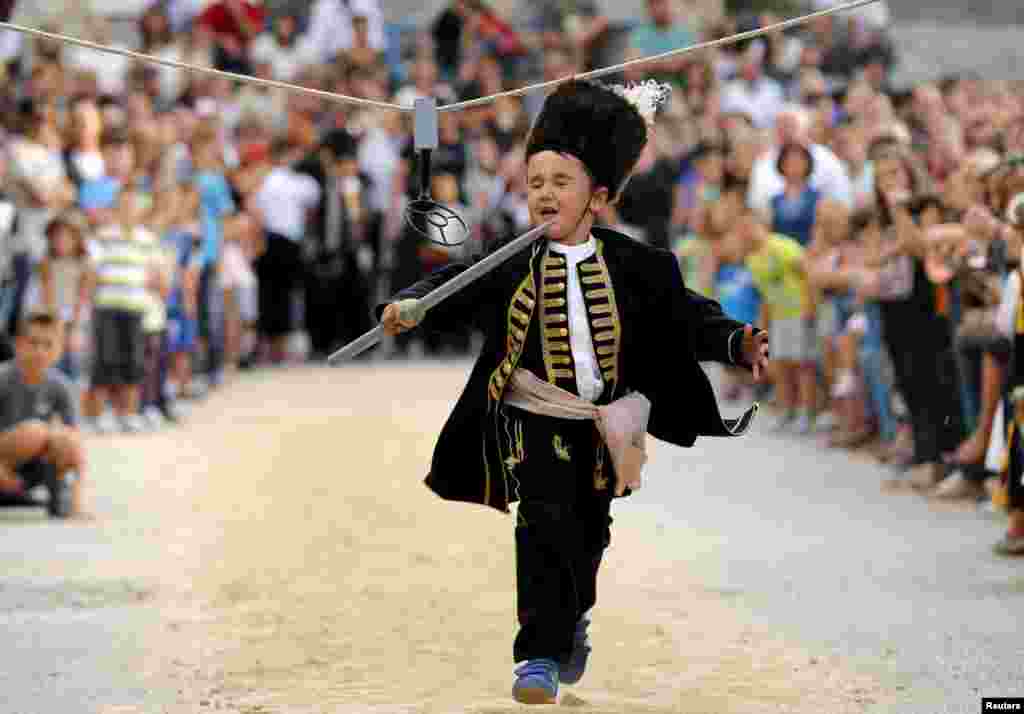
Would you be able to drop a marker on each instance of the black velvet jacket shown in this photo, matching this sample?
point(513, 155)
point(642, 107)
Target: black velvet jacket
point(666, 329)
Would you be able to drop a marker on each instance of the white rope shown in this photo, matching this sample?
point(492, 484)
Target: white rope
point(332, 96)
point(142, 57)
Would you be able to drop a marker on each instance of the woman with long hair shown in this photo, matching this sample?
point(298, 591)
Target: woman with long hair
point(915, 313)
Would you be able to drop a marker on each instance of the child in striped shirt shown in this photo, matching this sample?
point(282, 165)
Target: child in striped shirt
point(126, 273)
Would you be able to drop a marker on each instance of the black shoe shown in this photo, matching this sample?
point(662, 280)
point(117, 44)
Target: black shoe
point(18, 500)
point(172, 411)
point(60, 504)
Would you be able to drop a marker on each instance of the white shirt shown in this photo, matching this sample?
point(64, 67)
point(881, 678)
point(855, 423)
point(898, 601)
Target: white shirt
point(761, 100)
point(284, 199)
point(285, 62)
point(11, 45)
point(829, 177)
point(589, 383)
point(330, 26)
point(34, 164)
point(379, 154)
point(111, 70)
point(407, 95)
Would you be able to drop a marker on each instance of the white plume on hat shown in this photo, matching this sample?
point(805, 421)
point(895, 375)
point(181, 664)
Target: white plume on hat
point(646, 96)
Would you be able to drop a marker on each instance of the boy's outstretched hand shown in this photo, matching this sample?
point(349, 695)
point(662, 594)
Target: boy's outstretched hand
point(755, 351)
point(398, 317)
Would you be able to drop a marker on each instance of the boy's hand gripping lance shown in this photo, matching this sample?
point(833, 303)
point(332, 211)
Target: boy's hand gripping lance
point(470, 275)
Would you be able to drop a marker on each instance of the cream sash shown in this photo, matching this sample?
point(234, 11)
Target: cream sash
point(622, 424)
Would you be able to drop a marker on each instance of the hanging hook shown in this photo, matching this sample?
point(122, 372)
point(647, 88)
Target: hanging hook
point(431, 219)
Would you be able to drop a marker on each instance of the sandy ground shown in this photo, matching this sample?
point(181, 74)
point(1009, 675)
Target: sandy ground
point(284, 557)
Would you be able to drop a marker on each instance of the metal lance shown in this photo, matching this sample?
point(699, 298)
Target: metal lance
point(460, 281)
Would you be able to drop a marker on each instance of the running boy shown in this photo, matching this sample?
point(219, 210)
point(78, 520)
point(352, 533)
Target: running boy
point(587, 325)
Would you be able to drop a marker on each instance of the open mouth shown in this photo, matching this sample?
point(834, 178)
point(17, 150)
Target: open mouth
point(548, 212)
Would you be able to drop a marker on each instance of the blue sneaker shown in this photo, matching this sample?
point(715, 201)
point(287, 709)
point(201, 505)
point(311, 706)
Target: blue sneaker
point(572, 668)
point(536, 682)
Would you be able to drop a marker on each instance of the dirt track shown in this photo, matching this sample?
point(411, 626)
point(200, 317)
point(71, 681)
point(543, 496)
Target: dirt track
point(285, 558)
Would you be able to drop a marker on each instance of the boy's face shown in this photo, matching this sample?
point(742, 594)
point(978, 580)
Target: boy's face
point(39, 348)
point(560, 189)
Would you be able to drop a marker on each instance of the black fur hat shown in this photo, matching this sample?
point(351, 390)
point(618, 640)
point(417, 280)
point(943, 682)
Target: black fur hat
point(596, 124)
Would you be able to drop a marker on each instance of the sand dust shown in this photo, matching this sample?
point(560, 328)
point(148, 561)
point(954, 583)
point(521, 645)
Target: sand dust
point(296, 564)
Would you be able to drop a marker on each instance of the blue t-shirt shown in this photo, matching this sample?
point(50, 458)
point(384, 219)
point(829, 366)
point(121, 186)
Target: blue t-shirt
point(795, 219)
point(737, 293)
point(215, 203)
point(180, 243)
point(99, 193)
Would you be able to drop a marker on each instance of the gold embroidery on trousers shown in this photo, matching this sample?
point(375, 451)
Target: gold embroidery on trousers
point(600, 480)
point(561, 449)
point(516, 450)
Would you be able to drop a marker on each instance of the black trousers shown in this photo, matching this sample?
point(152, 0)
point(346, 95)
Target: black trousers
point(1014, 487)
point(927, 377)
point(338, 305)
point(279, 271)
point(562, 528)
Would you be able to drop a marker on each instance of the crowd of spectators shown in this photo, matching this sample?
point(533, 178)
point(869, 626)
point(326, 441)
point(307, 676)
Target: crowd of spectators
point(185, 226)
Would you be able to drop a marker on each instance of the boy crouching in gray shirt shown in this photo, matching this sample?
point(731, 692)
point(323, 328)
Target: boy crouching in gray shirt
point(39, 439)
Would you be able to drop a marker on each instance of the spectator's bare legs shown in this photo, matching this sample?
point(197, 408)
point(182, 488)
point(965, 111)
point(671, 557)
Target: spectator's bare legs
point(1015, 528)
point(126, 399)
point(18, 445)
point(181, 372)
point(232, 330)
point(96, 401)
point(786, 386)
point(849, 400)
point(972, 450)
point(93, 401)
point(279, 349)
point(828, 368)
point(807, 385)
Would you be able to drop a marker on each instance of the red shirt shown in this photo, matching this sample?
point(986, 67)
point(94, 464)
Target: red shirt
point(222, 21)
